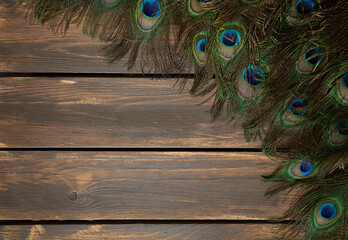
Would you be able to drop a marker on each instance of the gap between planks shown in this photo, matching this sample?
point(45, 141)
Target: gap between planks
point(133, 149)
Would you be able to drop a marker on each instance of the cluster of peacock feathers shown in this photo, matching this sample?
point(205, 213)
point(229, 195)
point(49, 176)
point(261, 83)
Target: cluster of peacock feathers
point(280, 66)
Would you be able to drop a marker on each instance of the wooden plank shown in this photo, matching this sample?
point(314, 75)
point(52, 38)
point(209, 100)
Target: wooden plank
point(134, 185)
point(26, 46)
point(139, 231)
point(116, 112)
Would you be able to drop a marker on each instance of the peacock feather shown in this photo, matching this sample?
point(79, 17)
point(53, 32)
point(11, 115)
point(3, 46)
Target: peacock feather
point(320, 209)
point(279, 66)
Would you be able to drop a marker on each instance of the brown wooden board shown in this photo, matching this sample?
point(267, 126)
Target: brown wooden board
point(130, 185)
point(104, 112)
point(71, 185)
point(26, 46)
point(139, 232)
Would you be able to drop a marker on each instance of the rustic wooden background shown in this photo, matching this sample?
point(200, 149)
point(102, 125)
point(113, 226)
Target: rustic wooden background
point(93, 151)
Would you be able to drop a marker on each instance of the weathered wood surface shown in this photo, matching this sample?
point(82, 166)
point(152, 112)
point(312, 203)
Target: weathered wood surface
point(49, 185)
point(140, 232)
point(115, 112)
point(104, 112)
point(26, 46)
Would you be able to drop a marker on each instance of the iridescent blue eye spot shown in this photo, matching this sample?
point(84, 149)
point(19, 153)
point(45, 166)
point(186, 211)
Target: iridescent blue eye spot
point(298, 107)
point(312, 56)
point(201, 45)
point(304, 7)
point(230, 37)
point(151, 8)
point(342, 127)
point(254, 75)
point(305, 168)
point(345, 80)
point(328, 211)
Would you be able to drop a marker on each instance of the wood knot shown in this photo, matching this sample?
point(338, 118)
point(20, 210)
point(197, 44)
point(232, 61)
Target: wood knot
point(73, 196)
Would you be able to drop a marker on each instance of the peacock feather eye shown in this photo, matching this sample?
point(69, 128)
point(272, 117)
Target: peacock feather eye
point(338, 134)
point(250, 81)
point(305, 168)
point(300, 11)
point(200, 48)
point(345, 79)
point(304, 7)
point(313, 55)
point(201, 45)
point(196, 7)
point(342, 88)
point(311, 59)
point(326, 213)
point(342, 127)
point(230, 37)
point(150, 8)
point(294, 112)
point(230, 41)
point(298, 107)
point(254, 75)
point(302, 169)
point(149, 14)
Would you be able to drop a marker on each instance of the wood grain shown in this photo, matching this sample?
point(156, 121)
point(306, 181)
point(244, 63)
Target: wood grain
point(139, 232)
point(115, 185)
point(26, 46)
point(49, 185)
point(102, 112)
